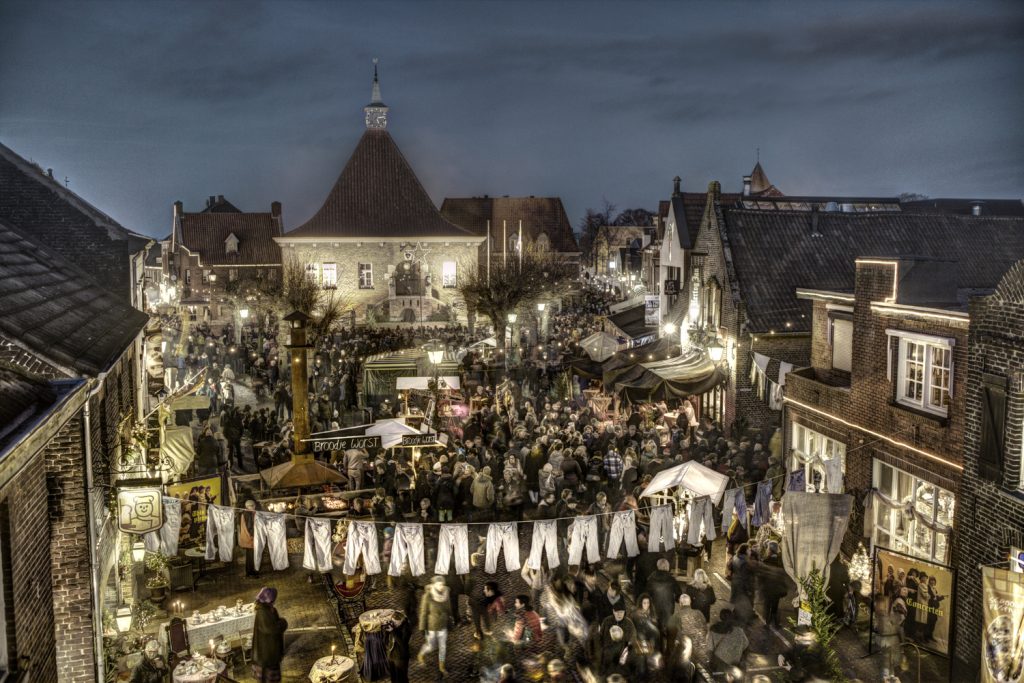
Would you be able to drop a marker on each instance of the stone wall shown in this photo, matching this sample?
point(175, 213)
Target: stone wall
point(990, 516)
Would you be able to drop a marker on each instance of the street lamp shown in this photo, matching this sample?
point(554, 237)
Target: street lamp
point(715, 352)
point(139, 551)
point(670, 328)
point(435, 352)
point(244, 313)
point(123, 618)
point(213, 278)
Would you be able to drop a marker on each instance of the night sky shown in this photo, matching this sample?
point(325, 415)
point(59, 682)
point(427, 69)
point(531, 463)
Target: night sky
point(143, 103)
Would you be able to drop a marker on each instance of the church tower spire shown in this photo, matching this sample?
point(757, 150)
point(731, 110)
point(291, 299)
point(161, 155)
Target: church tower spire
point(376, 111)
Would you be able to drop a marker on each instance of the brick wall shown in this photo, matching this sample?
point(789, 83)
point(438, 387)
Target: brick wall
point(25, 532)
point(990, 517)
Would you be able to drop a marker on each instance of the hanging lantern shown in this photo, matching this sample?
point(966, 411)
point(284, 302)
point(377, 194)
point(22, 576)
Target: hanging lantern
point(123, 618)
point(860, 564)
point(139, 505)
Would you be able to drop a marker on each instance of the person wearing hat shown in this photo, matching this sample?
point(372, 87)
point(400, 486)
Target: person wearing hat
point(483, 495)
point(434, 614)
point(152, 668)
point(267, 638)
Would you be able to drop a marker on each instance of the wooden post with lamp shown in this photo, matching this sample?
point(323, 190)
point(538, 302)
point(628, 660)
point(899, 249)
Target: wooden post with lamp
point(297, 322)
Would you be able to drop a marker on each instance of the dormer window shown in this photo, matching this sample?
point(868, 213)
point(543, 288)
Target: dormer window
point(231, 244)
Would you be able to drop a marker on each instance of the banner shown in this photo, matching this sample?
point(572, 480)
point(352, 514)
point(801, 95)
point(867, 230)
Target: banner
point(671, 287)
point(195, 496)
point(140, 507)
point(1002, 626)
point(925, 590)
point(419, 439)
point(652, 310)
point(341, 443)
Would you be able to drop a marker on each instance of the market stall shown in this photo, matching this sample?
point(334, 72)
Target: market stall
point(600, 346)
point(381, 373)
point(689, 374)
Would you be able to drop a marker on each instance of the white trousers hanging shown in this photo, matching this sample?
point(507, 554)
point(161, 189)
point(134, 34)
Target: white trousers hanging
point(362, 540)
point(453, 540)
point(220, 524)
point(545, 540)
point(833, 475)
point(584, 534)
point(623, 529)
point(317, 553)
point(268, 532)
point(408, 547)
point(660, 536)
point(700, 511)
point(165, 539)
point(502, 536)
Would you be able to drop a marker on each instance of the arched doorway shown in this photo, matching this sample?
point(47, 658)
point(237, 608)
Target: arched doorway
point(408, 315)
point(407, 279)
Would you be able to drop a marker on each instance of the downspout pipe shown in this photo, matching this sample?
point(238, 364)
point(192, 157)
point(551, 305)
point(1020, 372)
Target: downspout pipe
point(97, 609)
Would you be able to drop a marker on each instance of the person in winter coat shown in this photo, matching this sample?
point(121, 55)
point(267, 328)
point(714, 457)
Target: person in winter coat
point(152, 668)
point(267, 638)
point(398, 654)
point(664, 591)
point(208, 457)
point(483, 494)
point(702, 594)
point(435, 612)
point(686, 623)
point(547, 480)
point(246, 534)
point(527, 630)
point(444, 496)
point(727, 642)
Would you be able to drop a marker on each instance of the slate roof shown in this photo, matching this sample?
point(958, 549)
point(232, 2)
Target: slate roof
point(539, 215)
point(774, 252)
point(962, 207)
point(46, 212)
point(204, 233)
point(760, 186)
point(378, 195)
point(688, 207)
point(52, 307)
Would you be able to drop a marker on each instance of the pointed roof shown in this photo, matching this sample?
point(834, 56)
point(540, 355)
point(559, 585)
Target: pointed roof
point(378, 195)
point(540, 215)
point(760, 186)
point(375, 100)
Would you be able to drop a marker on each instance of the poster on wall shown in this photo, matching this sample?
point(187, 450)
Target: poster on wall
point(652, 310)
point(1002, 626)
point(195, 495)
point(921, 589)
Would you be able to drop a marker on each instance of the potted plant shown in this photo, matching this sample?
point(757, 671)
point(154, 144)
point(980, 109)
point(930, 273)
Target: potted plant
point(157, 583)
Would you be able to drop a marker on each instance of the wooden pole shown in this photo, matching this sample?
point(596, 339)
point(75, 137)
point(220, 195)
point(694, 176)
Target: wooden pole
point(504, 244)
point(488, 253)
point(520, 244)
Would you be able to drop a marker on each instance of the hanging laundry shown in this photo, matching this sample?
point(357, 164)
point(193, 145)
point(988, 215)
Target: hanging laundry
point(660, 536)
point(452, 541)
point(165, 539)
point(408, 547)
point(623, 530)
point(584, 533)
point(362, 540)
point(220, 525)
point(797, 480)
point(316, 555)
point(834, 474)
point(502, 536)
point(269, 532)
point(700, 513)
point(763, 503)
point(733, 500)
point(545, 540)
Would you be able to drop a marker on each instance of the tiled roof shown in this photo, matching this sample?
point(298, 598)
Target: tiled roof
point(688, 207)
point(774, 252)
point(378, 195)
point(760, 186)
point(539, 215)
point(962, 207)
point(46, 212)
point(205, 234)
point(52, 307)
point(21, 398)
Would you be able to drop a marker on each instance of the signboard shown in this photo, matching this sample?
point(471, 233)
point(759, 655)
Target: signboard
point(652, 310)
point(140, 508)
point(419, 439)
point(671, 287)
point(924, 589)
point(195, 496)
point(1002, 626)
point(342, 443)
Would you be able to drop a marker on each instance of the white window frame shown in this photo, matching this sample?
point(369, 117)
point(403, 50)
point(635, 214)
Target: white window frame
point(903, 544)
point(806, 441)
point(449, 275)
point(329, 275)
point(313, 272)
point(931, 344)
point(365, 271)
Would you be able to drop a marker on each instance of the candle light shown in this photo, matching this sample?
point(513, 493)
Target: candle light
point(332, 653)
point(211, 647)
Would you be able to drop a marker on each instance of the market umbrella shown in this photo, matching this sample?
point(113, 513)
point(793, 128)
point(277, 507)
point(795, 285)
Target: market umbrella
point(300, 472)
point(600, 346)
point(692, 476)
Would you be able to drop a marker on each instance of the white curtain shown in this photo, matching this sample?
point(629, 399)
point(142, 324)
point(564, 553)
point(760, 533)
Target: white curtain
point(815, 525)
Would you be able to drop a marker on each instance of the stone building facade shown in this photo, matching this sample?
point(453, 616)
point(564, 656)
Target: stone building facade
point(990, 513)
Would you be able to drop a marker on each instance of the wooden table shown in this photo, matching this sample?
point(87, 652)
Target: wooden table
point(330, 669)
point(211, 668)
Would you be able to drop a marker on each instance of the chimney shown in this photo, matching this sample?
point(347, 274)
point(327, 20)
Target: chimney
point(210, 200)
point(220, 199)
point(976, 208)
point(275, 214)
point(675, 186)
point(814, 222)
point(49, 173)
point(179, 210)
point(746, 185)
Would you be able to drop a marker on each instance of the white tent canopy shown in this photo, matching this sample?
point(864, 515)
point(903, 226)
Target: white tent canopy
point(390, 431)
point(490, 341)
point(696, 478)
point(402, 383)
point(176, 451)
point(600, 346)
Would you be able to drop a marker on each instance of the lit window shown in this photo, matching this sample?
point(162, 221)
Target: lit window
point(188, 276)
point(329, 275)
point(925, 371)
point(448, 274)
point(842, 344)
point(816, 449)
point(206, 277)
point(313, 272)
point(921, 521)
point(365, 276)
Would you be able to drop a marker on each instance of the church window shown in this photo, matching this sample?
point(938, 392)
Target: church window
point(448, 280)
point(329, 273)
point(365, 276)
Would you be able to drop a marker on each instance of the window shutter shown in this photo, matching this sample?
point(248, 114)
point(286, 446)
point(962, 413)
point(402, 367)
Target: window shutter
point(993, 427)
point(842, 344)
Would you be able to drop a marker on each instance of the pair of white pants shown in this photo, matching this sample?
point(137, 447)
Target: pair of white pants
point(700, 511)
point(220, 523)
point(833, 475)
point(436, 640)
point(268, 531)
point(362, 539)
point(584, 533)
point(502, 536)
point(623, 529)
point(659, 536)
point(453, 540)
point(165, 539)
point(408, 547)
point(545, 540)
point(317, 553)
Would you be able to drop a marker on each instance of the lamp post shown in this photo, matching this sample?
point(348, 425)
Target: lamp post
point(715, 352)
point(300, 382)
point(435, 353)
point(513, 341)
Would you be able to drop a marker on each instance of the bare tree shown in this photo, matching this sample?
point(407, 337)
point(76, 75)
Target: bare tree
point(512, 284)
point(590, 227)
point(641, 217)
